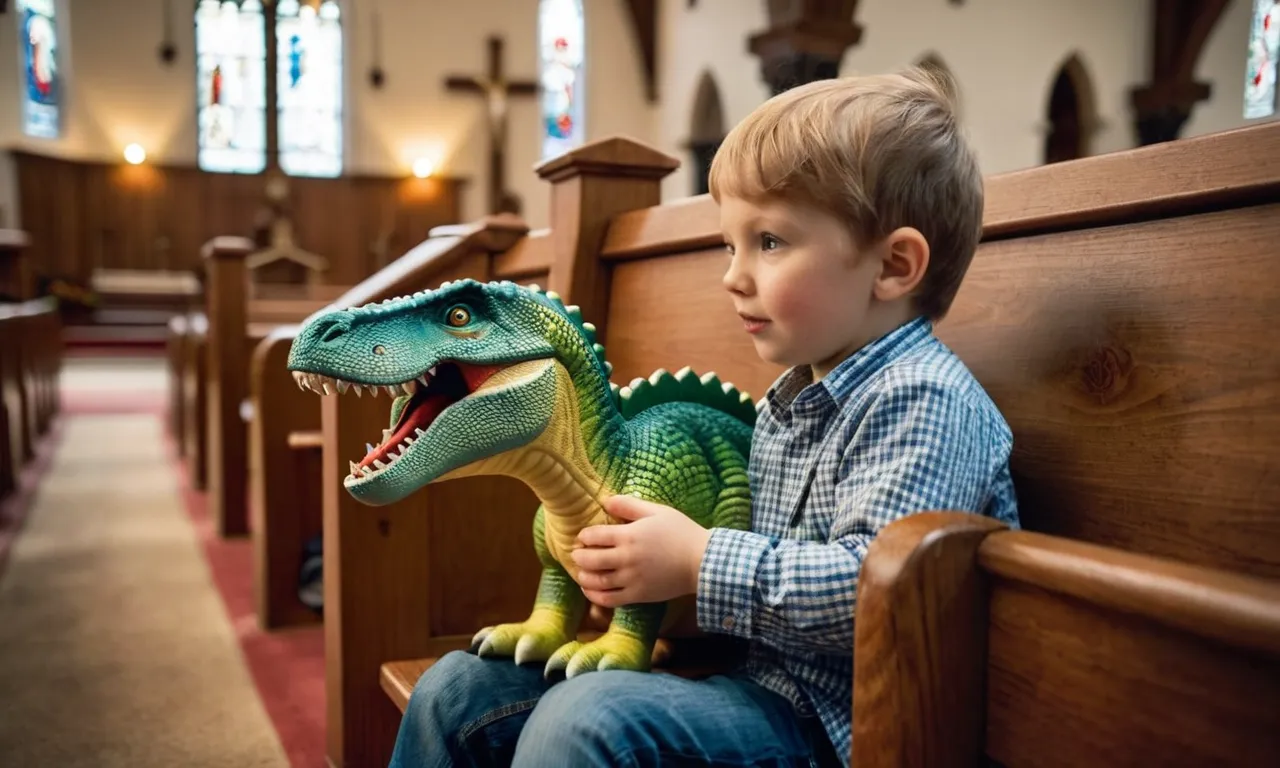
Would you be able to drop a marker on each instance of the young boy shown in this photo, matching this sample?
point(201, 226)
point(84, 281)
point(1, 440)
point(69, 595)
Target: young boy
point(851, 209)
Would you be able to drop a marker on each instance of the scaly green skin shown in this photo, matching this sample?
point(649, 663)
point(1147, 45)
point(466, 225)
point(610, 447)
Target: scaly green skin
point(552, 419)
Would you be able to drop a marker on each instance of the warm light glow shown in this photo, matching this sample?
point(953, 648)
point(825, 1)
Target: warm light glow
point(423, 167)
point(135, 154)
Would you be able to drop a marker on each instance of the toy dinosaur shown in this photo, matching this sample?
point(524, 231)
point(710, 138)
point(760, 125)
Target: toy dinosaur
point(500, 379)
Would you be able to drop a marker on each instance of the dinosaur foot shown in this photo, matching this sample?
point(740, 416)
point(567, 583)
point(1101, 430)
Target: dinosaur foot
point(613, 650)
point(526, 641)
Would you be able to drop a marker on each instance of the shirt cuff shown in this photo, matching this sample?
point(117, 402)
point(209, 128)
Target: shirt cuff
point(726, 581)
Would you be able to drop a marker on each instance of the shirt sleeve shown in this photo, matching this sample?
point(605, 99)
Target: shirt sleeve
point(918, 448)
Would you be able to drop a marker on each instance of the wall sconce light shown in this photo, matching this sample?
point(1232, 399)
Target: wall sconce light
point(423, 167)
point(134, 154)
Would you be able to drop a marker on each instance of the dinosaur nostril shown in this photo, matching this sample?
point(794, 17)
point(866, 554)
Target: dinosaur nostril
point(332, 332)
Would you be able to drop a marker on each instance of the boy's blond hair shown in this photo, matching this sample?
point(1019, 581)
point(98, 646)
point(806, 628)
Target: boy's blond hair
point(879, 152)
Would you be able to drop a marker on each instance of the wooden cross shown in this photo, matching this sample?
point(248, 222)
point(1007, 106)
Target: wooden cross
point(495, 89)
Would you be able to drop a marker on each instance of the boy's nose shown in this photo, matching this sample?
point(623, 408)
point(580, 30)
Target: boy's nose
point(736, 279)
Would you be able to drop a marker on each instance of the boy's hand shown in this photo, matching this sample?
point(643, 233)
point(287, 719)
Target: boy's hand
point(654, 557)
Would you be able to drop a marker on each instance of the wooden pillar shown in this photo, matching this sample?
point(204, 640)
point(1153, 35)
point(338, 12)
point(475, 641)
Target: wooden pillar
point(226, 307)
point(1179, 29)
point(17, 278)
point(805, 41)
point(589, 186)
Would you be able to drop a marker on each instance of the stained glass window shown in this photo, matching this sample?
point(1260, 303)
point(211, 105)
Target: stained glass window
point(230, 86)
point(561, 37)
point(42, 87)
point(309, 73)
point(1264, 51)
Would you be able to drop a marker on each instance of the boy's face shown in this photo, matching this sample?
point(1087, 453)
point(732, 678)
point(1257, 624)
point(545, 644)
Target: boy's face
point(798, 280)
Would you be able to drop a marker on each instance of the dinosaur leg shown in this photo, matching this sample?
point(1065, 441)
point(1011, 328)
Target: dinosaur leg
point(627, 645)
point(557, 612)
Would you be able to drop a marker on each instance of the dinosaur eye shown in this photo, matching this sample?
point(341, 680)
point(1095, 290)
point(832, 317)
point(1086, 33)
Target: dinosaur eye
point(458, 317)
point(379, 350)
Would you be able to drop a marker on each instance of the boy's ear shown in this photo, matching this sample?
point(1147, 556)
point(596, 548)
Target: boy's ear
point(904, 259)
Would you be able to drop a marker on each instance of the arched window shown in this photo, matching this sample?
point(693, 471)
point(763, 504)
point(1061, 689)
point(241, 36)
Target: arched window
point(1071, 113)
point(231, 86)
point(561, 40)
point(1264, 58)
point(309, 73)
point(41, 84)
point(231, 71)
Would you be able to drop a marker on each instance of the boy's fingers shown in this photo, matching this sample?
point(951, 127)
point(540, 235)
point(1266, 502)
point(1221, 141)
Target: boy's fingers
point(600, 580)
point(630, 508)
point(603, 559)
point(599, 536)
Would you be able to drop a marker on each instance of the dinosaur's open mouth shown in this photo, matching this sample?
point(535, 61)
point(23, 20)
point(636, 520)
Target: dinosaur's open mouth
point(419, 402)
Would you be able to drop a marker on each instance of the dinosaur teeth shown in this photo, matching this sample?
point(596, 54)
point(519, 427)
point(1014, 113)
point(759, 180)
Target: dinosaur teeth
point(386, 435)
point(359, 390)
point(420, 432)
point(343, 387)
point(410, 387)
point(391, 391)
point(368, 448)
point(424, 379)
point(379, 464)
point(355, 468)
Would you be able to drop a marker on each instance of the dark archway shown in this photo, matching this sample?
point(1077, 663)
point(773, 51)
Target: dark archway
point(1070, 113)
point(706, 130)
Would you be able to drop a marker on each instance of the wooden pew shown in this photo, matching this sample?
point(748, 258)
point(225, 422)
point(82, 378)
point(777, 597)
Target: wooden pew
point(285, 436)
point(238, 317)
point(30, 361)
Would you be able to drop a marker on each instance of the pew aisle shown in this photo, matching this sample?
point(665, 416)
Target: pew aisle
point(118, 647)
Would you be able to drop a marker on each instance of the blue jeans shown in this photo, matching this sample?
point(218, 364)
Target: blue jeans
point(469, 711)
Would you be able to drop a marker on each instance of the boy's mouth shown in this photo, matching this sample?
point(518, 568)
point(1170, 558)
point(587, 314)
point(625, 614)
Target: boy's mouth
point(751, 323)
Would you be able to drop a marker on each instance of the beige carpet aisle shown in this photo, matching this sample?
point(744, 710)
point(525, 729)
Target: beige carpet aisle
point(115, 649)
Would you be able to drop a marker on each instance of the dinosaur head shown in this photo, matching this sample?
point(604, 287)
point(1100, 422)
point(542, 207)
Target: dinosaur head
point(471, 369)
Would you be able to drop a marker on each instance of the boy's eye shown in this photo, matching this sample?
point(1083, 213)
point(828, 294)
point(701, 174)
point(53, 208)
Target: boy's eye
point(769, 242)
point(728, 247)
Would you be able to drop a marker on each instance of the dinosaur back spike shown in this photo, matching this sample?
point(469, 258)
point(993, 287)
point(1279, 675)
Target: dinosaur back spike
point(684, 387)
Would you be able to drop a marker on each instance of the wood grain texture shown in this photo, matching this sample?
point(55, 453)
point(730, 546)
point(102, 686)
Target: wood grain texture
point(670, 312)
point(1218, 170)
point(920, 636)
point(284, 482)
point(1136, 368)
point(530, 257)
point(17, 272)
point(1241, 611)
point(86, 215)
point(1071, 684)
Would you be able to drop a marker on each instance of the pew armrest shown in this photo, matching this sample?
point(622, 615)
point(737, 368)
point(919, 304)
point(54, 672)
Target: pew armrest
point(306, 440)
point(920, 642)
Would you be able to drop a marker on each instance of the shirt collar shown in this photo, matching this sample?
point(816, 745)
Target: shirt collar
point(849, 374)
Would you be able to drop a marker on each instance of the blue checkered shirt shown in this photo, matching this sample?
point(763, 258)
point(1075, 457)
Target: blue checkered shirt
point(901, 426)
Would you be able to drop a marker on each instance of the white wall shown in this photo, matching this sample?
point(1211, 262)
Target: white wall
point(1004, 53)
point(119, 92)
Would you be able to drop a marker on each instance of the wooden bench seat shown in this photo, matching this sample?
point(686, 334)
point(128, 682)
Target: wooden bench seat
point(1119, 313)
